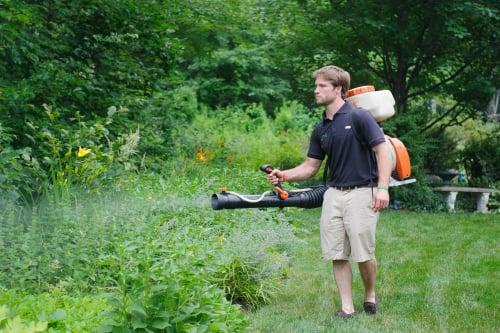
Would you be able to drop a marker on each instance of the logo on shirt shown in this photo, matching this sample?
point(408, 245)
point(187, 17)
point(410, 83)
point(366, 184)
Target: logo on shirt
point(348, 127)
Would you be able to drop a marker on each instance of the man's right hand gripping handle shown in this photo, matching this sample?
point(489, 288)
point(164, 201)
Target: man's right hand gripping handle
point(275, 176)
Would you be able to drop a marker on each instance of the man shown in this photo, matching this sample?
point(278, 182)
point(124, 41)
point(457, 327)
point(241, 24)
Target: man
point(358, 185)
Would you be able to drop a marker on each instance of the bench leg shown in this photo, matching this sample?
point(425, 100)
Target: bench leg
point(482, 202)
point(450, 198)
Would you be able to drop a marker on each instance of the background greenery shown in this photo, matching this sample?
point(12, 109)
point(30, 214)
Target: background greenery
point(118, 118)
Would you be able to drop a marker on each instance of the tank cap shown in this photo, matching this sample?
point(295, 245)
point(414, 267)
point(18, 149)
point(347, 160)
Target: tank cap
point(360, 90)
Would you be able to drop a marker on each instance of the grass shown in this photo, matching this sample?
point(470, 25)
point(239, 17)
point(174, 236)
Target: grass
point(437, 273)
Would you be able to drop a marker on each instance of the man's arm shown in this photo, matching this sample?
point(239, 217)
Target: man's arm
point(303, 171)
point(381, 198)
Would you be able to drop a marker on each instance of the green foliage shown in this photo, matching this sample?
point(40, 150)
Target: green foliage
point(82, 56)
point(241, 286)
point(93, 92)
point(259, 261)
point(481, 157)
point(247, 137)
point(20, 174)
point(60, 312)
point(294, 117)
point(418, 196)
point(228, 53)
point(442, 153)
point(239, 76)
point(156, 252)
point(65, 68)
point(10, 324)
point(414, 49)
point(162, 118)
point(81, 152)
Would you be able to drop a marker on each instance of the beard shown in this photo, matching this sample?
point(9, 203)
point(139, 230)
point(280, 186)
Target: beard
point(324, 101)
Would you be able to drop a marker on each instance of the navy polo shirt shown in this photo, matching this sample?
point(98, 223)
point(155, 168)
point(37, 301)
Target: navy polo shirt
point(348, 158)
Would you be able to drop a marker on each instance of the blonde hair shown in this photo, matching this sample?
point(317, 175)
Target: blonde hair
point(336, 76)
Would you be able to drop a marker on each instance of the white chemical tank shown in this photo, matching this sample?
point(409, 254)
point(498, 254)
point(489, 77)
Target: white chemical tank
point(379, 103)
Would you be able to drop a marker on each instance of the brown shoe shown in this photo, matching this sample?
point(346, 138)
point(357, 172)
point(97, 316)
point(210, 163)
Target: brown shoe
point(343, 315)
point(370, 308)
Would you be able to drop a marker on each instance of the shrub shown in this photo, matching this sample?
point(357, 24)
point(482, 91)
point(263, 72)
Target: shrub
point(481, 157)
point(244, 137)
point(21, 176)
point(295, 117)
point(81, 152)
point(241, 285)
point(417, 196)
point(163, 117)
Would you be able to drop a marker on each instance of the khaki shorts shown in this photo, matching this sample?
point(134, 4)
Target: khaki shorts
point(348, 224)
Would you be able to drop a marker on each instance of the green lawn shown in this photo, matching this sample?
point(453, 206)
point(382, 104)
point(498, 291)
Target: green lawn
point(437, 273)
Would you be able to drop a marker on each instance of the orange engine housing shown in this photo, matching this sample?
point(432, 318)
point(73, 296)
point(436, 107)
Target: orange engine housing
point(402, 165)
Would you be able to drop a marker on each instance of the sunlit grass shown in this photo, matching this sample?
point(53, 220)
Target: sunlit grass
point(437, 273)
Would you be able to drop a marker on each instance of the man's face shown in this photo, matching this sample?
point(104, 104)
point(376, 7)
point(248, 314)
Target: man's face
point(325, 92)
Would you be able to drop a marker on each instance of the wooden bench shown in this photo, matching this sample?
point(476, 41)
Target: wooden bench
point(450, 196)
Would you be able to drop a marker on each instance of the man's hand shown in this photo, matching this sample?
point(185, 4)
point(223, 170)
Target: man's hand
point(276, 176)
point(380, 200)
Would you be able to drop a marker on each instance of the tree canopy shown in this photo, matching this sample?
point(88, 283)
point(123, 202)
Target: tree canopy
point(65, 64)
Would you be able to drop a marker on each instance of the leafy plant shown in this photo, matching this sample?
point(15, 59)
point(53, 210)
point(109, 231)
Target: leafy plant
point(61, 312)
point(481, 157)
point(10, 324)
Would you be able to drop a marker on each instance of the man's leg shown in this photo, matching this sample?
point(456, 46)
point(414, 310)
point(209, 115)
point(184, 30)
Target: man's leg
point(368, 271)
point(335, 245)
point(361, 228)
point(342, 272)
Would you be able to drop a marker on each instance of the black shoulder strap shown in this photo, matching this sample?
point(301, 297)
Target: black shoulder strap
point(325, 172)
point(356, 125)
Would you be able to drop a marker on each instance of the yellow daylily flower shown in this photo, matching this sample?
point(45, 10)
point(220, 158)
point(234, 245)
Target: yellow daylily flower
point(82, 152)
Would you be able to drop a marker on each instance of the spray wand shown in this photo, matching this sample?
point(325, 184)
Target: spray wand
point(305, 198)
point(311, 197)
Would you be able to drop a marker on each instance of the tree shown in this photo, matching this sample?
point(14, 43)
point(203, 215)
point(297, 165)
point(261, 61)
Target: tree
point(445, 49)
point(81, 56)
point(227, 53)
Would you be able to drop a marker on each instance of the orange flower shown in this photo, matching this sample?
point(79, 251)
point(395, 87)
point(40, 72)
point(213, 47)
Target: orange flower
point(200, 155)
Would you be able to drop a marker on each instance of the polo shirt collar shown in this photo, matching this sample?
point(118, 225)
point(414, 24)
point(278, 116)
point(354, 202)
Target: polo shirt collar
point(343, 109)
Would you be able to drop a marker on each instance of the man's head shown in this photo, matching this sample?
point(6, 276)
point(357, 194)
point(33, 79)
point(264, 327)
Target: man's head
point(336, 76)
